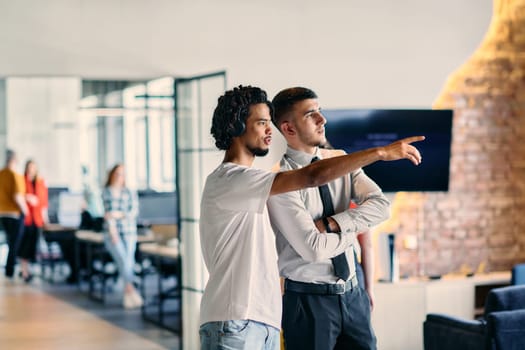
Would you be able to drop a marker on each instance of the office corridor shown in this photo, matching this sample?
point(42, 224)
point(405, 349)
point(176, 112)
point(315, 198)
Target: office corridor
point(42, 316)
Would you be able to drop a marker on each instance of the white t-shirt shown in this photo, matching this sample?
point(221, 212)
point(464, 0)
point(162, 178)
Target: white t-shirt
point(238, 246)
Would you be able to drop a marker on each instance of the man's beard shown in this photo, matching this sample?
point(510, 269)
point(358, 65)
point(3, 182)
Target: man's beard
point(258, 152)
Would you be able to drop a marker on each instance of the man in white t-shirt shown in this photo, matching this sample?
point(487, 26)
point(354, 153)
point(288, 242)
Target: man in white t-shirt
point(241, 305)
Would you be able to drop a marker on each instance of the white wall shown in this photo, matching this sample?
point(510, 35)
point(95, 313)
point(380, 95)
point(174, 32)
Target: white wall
point(354, 53)
point(3, 121)
point(41, 124)
point(376, 53)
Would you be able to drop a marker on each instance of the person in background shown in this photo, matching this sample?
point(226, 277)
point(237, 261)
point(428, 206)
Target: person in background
point(13, 208)
point(92, 217)
point(120, 230)
point(241, 304)
point(36, 218)
point(323, 304)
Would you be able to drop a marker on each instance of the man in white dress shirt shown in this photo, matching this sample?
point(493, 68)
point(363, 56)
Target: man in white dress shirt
point(321, 310)
point(241, 305)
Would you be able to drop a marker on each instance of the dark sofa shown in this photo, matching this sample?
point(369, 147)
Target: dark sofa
point(502, 326)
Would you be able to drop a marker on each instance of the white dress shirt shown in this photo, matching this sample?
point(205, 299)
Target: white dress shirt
point(304, 253)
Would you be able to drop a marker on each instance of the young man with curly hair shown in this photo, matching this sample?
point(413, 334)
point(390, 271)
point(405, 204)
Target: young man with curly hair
point(241, 305)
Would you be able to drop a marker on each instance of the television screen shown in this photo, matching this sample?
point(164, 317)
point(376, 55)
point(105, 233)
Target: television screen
point(358, 129)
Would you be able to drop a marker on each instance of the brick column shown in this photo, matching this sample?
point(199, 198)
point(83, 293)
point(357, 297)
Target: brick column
point(481, 220)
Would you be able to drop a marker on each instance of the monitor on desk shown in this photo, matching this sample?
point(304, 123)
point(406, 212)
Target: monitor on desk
point(70, 206)
point(53, 193)
point(157, 208)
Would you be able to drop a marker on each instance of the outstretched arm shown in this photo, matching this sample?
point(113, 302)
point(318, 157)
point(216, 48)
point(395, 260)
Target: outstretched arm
point(326, 170)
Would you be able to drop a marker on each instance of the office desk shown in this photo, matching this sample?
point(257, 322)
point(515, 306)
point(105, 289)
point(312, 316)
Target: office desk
point(166, 263)
point(56, 232)
point(93, 245)
point(63, 236)
point(401, 307)
point(90, 244)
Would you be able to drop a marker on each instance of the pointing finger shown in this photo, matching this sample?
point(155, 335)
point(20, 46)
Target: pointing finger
point(413, 139)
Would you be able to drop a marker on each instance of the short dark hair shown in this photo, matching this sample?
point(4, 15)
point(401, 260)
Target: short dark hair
point(233, 108)
point(9, 155)
point(284, 101)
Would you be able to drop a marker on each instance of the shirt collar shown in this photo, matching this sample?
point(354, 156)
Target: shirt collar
point(301, 157)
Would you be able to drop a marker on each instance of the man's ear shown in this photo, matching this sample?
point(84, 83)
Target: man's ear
point(287, 128)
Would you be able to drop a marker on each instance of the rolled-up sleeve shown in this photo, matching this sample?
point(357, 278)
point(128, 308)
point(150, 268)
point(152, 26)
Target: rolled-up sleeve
point(290, 217)
point(107, 201)
point(373, 207)
point(133, 211)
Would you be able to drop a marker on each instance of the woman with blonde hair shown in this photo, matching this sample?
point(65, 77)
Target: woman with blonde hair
point(120, 230)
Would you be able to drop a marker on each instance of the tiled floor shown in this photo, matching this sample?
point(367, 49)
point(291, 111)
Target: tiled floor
point(43, 316)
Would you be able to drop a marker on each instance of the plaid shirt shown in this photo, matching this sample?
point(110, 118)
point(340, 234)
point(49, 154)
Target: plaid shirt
point(127, 203)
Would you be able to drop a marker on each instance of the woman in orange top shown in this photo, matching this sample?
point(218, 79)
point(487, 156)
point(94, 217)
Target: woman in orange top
point(36, 198)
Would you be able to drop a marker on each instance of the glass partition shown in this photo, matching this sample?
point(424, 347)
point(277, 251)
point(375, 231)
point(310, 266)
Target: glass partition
point(136, 127)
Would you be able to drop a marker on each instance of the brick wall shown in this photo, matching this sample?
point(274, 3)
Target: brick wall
point(481, 220)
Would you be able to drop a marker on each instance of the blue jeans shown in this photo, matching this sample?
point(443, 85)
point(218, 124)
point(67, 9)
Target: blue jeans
point(123, 254)
point(239, 335)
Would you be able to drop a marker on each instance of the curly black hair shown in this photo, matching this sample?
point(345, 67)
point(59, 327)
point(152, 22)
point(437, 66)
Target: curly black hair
point(232, 110)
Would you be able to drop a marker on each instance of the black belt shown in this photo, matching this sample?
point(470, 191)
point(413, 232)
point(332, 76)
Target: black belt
point(314, 288)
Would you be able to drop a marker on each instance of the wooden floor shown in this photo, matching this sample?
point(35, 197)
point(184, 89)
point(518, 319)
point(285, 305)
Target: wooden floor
point(43, 316)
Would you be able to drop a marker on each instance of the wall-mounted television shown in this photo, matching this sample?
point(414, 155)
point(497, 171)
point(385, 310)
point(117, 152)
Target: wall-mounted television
point(358, 129)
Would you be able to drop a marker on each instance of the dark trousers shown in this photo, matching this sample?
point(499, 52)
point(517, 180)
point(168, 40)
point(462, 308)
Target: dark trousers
point(14, 230)
point(323, 322)
point(29, 242)
point(67, 246)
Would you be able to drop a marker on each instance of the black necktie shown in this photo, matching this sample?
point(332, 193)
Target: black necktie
point(339, 262)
